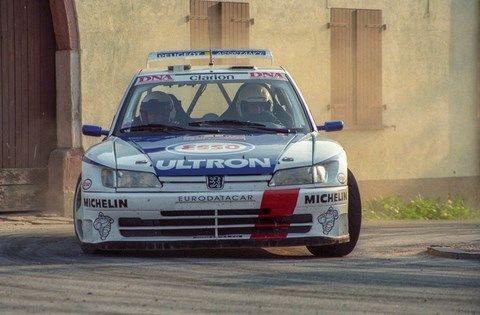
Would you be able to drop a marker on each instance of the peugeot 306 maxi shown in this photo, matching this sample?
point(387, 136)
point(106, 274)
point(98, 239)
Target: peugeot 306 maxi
point(214, 157)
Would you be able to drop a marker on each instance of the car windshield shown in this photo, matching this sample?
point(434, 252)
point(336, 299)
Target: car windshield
point(246, 101)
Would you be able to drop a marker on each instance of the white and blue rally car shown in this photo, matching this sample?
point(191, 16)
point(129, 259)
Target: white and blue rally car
point(213, 157)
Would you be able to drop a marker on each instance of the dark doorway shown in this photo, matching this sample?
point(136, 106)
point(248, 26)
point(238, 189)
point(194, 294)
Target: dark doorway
point(27, 101)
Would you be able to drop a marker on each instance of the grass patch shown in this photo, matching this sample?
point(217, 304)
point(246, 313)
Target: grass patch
point(395, 208)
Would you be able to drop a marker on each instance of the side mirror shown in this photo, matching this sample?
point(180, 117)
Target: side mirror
point(94, 131)
point(332, 125)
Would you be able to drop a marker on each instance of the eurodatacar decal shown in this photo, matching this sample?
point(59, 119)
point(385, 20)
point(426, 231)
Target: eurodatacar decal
point(219, 198)
point(105, 203)
point(326, 198)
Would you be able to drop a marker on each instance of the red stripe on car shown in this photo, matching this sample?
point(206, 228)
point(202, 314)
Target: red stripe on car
point(281, 203)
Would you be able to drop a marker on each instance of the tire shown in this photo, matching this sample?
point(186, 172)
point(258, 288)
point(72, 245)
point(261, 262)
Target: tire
point(77, 202)
point(354, 224)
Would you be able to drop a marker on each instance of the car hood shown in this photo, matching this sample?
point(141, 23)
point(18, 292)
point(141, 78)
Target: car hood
point(214, 154)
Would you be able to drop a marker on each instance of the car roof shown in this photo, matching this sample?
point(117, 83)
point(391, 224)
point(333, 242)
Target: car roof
point(211, 69)
point(209, 57)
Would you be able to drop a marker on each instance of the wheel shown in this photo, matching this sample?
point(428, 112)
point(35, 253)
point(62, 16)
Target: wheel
point(77, 204)
point(354, 224)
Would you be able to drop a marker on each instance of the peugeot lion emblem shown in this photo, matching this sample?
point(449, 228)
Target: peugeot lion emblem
point(215, 182)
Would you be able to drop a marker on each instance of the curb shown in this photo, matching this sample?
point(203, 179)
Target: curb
point(449, 252)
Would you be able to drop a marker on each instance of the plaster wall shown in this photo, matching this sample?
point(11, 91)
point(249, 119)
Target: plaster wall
point(115, 37)
point(430, 72)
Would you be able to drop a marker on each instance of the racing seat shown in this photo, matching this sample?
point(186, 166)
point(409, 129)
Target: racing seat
point(180, 115)
point(283, 116)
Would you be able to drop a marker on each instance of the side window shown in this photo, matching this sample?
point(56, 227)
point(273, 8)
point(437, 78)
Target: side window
point(282, 99)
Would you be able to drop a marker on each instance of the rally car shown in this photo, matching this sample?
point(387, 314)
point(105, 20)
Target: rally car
point(213, 157)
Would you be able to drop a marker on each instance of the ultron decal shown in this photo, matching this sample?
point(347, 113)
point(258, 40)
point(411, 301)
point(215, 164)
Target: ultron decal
point(327, 220)
point(188, 164)
point(103, 224)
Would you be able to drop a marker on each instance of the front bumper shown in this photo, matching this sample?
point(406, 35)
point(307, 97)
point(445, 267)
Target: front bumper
point(277, 217)
point(203, 244)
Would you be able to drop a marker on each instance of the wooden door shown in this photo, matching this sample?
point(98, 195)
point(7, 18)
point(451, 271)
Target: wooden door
point(27, 81)
point(27, 102)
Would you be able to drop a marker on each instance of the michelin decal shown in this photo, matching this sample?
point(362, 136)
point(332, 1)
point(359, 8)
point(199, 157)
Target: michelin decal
point(103, 224)
point(326, 198)
point(327, 220)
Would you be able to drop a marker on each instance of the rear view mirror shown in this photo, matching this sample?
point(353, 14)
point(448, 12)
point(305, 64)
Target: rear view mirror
point(94, 131)
point(332, 125)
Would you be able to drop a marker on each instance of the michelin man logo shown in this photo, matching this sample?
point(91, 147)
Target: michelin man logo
point(327, 220)
point(103, 224)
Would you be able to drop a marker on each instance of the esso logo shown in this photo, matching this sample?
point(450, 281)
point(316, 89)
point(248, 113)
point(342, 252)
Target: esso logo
point(203, 148)
point(86, 184)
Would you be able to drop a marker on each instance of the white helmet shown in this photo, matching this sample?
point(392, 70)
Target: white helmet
point(253, 99)
point(158, 107)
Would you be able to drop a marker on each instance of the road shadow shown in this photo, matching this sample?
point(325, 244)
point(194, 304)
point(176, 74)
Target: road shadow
point(26, 249)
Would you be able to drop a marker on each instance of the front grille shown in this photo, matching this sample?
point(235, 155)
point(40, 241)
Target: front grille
point(215, 223)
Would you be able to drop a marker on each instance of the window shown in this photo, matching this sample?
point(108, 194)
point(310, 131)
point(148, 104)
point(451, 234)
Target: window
point(356, 67)
point(219, 24)
point(186, 102)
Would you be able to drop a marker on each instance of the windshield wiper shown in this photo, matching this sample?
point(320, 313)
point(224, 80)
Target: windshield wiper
point(163, 128)
point(239, 123)
point(225, 122)
point(160, 127)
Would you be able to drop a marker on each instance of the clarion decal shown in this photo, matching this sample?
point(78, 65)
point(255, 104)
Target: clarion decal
point(105, 203)
point(164, 165)
point(205, 77)
point(326, 198)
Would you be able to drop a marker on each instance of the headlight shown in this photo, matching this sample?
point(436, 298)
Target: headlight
point(108, 178)
point(129, 179)
point(315, 174)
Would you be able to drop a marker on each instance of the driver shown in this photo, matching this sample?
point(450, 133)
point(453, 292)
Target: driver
point(254, 103)
point(157, 108)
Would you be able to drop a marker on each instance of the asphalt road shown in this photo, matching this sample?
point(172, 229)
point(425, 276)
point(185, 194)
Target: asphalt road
point(42, 270)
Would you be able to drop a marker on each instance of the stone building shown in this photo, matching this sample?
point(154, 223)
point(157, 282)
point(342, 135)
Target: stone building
point(403, 75)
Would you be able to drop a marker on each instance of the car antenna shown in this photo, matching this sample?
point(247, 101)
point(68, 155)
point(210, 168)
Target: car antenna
point(210, 63)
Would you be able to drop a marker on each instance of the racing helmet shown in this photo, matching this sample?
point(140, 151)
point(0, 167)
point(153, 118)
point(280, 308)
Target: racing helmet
point(157, 108)
point(253, 99)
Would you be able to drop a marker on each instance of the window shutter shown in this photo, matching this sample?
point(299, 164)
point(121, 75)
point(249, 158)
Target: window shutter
point(235, 25)
point(342, 65)
point(200, 24)
point(356, 67)
point(219, 24)
point(369, 68)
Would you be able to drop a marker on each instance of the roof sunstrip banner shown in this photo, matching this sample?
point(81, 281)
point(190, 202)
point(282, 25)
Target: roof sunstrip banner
point(205, 54)
point(202, 77)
